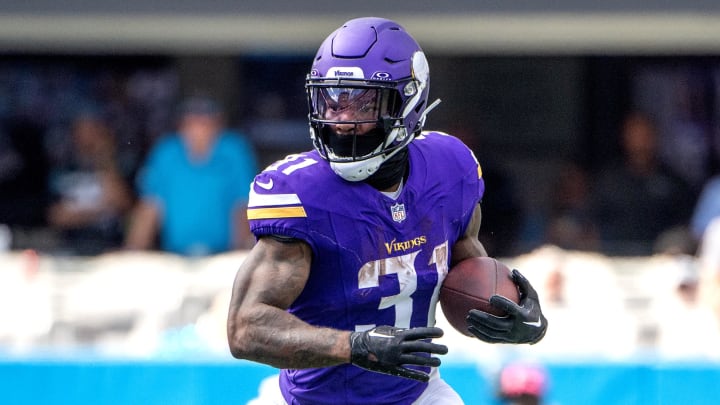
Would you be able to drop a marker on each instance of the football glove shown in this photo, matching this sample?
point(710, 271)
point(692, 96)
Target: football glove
point(524, 323)
point(385, 349)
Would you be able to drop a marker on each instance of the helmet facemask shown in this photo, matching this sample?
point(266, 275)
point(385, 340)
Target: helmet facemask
point(353, 123)
point(357, 123)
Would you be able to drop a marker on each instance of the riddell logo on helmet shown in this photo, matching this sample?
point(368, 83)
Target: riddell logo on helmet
point(349, 72)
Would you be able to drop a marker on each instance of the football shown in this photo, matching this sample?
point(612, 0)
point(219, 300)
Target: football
point(470, 284)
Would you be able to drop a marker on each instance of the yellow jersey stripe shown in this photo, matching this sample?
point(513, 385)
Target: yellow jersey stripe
point(279, 212)
point(479, 172)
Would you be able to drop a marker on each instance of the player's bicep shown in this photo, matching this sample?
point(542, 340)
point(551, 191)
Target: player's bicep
point(469, 245)
point(274, 273)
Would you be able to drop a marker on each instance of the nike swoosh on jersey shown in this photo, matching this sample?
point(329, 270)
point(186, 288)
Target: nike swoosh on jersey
point(266, 185)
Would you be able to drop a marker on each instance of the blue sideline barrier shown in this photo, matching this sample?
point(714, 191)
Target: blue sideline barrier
point(82, 381)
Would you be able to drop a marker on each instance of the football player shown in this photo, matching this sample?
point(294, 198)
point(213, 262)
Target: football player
point(355, 237)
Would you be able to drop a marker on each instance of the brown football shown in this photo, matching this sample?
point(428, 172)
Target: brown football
point(470, 284)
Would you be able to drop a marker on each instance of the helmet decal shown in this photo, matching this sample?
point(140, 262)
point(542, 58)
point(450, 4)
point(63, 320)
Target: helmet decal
point(353, 72)
point(420, 67)
point(381, 76)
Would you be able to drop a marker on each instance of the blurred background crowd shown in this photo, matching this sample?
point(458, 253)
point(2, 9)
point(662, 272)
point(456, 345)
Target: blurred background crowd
point(124, 170)
point(613, 154)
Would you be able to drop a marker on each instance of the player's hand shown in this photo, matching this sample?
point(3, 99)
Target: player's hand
point(385, 349)
point(524, 323)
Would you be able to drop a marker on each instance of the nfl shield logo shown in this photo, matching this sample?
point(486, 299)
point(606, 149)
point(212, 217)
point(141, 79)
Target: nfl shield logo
point(398, 212)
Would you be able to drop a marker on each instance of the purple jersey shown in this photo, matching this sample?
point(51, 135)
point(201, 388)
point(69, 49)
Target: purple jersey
point(376, 261)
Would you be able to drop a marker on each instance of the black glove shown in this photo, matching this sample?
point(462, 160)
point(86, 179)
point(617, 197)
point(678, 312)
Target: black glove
point(524, 323)
point(384, 349)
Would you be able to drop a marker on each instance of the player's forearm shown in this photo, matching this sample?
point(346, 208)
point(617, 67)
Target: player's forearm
point(274, 337)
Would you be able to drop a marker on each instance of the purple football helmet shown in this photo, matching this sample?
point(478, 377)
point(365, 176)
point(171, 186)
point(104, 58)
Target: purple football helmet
point(367, 94)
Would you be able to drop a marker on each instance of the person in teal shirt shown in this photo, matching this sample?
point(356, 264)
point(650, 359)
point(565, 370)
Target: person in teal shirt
point(193, 187)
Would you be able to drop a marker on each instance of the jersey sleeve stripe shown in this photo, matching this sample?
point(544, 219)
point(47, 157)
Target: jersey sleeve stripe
point(479, 172)
point(272, 200)
point(279, 212)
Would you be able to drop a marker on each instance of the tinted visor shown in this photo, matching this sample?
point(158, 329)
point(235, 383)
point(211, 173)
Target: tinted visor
point(353, 104)
point(345, 96)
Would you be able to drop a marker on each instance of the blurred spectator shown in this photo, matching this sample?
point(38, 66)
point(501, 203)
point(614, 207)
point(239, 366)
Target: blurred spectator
point(91, 196)
point(23, 174)
point(685, 122)
point(707, 207)
point(522, 384)
point(194, 186)
point(637, 198)
point(570, 225)
point(555, 288)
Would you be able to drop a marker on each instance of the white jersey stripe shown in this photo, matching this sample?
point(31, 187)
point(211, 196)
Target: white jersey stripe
point(272, 200)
